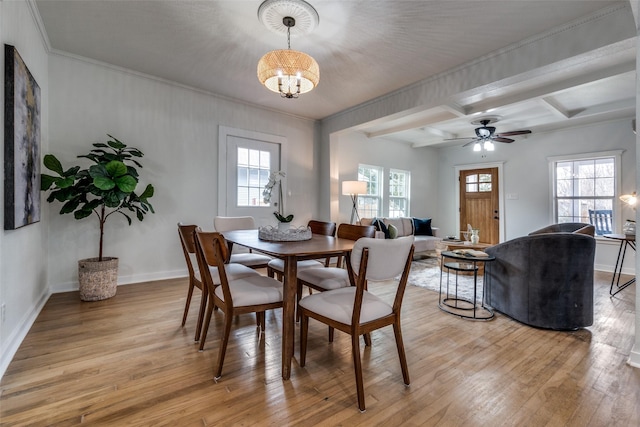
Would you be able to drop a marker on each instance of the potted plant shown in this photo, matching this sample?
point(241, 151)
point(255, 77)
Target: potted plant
point(276, 178)
point(105, 188)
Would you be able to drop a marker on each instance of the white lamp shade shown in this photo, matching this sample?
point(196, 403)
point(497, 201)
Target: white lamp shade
point(630, 199)
point(354, 187)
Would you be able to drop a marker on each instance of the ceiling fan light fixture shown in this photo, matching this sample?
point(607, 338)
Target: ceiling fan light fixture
point(286, 71)
point(488, 145)
point(477, 146)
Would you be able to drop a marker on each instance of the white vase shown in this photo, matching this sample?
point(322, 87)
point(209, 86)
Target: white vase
point(283, 226)
point(475, 236)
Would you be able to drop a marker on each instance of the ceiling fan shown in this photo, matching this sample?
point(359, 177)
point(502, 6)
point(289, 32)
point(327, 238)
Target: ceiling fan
point(487, 135)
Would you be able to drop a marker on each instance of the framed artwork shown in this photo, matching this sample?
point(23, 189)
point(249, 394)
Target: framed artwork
point(21, 143)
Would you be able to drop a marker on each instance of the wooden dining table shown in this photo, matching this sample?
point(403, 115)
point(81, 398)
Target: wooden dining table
point(291, 252)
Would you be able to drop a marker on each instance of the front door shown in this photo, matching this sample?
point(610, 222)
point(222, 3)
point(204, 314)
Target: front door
point(479, 203)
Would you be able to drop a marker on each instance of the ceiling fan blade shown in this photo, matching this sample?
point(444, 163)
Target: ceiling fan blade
point(501, 139)
point(514, 133)
point(474, 140)
point(460, 139)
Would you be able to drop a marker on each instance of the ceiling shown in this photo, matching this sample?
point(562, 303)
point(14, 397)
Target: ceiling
point(365, 49)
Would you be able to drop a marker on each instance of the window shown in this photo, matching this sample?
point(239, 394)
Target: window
point(399, 193)
point(253, 169)
point(583, 184)
point(370, 205)
point(479, 183)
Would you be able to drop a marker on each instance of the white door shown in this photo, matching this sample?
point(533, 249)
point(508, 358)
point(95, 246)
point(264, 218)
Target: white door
point(245, 164)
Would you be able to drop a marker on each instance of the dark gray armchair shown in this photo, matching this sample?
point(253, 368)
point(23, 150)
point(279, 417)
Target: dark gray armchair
point(545, 279)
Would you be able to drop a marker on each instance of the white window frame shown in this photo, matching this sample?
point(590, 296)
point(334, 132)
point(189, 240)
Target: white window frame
point(379, 197)
point(407, 192)
point(616, 155)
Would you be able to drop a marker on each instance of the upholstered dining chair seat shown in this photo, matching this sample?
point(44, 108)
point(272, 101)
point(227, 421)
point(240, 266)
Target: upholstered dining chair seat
point(338, 305)
point(250, 259)
point(253, 290)
point(234, 271)
point(278, 264)
point(326, 278)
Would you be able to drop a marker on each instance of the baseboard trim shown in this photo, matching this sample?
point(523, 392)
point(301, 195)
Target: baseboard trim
point(18, 335)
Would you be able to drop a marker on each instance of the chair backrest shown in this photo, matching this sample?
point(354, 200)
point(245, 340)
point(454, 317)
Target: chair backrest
point(227, 223)
point(387, 258)
point(601, 219)
point(379, 259)
point(355, 232)
point(322, 228)
point(212, 251)
point(185, 231)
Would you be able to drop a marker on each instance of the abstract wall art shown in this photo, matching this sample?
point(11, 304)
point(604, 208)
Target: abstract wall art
point(21, 143)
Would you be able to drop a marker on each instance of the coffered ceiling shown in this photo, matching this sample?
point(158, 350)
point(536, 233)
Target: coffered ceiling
point(365, 49)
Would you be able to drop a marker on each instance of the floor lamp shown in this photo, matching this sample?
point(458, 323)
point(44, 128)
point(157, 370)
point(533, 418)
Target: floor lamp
point(353, 188)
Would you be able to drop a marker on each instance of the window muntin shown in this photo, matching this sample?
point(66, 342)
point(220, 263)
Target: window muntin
point(584, 184)
point(478, 183)
point(253, 169)
point(370, 205)
point(399, 193)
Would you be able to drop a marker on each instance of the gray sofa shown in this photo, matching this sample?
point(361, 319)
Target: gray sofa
point(544, 279)
point(405, 227)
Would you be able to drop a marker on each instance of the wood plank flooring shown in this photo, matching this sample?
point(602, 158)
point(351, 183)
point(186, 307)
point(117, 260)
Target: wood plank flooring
point(127, 361)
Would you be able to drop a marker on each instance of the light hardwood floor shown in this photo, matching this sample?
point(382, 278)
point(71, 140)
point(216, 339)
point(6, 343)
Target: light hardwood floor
point(127, 361)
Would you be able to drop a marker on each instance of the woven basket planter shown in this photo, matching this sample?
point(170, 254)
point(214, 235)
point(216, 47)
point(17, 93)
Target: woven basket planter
point(98, 280)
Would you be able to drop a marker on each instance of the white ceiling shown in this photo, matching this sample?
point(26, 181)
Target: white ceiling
point(365, 49)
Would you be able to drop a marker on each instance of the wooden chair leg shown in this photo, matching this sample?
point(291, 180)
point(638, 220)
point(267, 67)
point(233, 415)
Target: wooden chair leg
point(367, 340)
point(188, 303)
point(262, 317)
point(270, 272)
point(205, 327)
point(357, 364)
point(401, 354)
point(330, 334)
point(298, 298)
point(223, 345)
point(304, 327)
point(203, 306)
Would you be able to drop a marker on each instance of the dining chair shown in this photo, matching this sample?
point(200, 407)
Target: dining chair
point(234, 271)
point(276, 266)
point(185, 232)
point(332, 277)
point(357, 311)
point(249, 294)
point(228, 223)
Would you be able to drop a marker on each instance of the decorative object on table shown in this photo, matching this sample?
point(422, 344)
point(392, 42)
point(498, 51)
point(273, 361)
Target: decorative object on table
point(629, 228)
point(267, 193)
point(475, 236)
point(353, 189)
point(286, 71)
point(105, 188)
point(291, 235)
point(21, 143)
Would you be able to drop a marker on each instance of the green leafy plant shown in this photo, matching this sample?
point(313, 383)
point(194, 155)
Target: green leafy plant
point(105, 188)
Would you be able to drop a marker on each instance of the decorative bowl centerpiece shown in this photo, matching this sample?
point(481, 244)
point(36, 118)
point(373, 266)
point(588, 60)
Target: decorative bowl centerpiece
point(293, 234)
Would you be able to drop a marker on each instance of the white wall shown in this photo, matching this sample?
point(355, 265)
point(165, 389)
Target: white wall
point(355, 148)
point(23, 255)
point(526, 173)
point(177, 130)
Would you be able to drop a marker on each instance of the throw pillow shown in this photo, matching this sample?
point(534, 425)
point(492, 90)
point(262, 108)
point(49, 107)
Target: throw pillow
point(381, 226)
point(422, 227)
point(393, 231)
